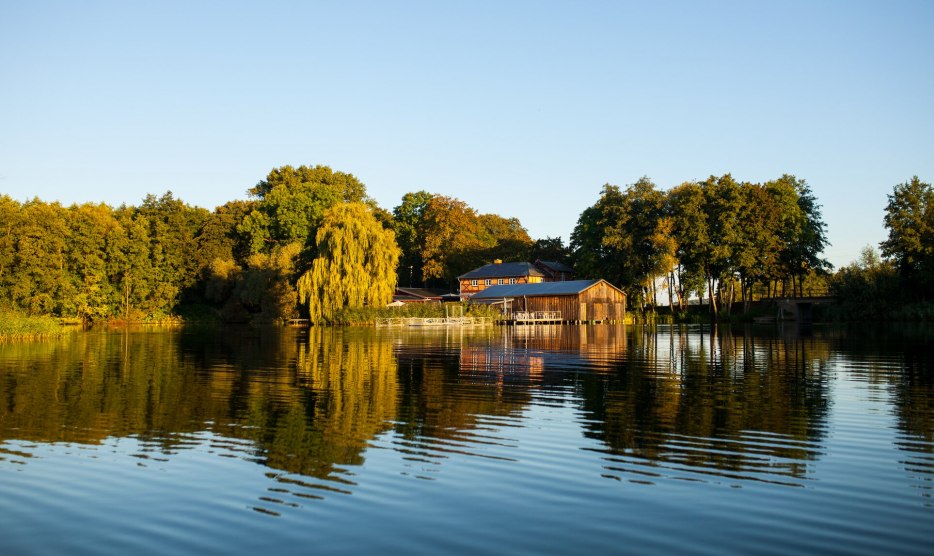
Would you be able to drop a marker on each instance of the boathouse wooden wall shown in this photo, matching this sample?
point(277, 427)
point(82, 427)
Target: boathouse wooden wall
point(601, 302)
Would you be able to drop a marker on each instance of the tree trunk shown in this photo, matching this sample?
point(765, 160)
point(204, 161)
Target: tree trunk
point(746, 288)
point(729, 298)
point(671, 297)
point(713, 301)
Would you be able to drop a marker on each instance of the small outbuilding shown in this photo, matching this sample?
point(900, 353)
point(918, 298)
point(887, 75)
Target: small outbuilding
point(570, 301)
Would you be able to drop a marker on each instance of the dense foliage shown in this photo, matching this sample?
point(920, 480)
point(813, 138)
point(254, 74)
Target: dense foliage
point(900, 285)
point(442, 237)
point(306, 230)
point(314, 235)
point(705, 238)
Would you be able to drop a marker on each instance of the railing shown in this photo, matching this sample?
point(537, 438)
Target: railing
point(433, 321)
point(529, 316)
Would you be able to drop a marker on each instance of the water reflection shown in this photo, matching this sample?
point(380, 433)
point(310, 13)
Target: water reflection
point(694, 403)
point(896, 361)
point(685, 403)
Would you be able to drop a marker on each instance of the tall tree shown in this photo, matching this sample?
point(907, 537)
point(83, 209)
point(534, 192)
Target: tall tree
point(174, 255)
point(41, 283)
point(550, 249)
point(687, 207)
point(408, 225)
point(594, 257)
point(649, 253)
point(292, 202)
point(909, 218)
point(621, 238)
point(130, 265)
point(10, 218)
point(450, 231)
point(802, 252)
point(723, 200)
point(90, 227)
point(502, 238)
point(355, 266)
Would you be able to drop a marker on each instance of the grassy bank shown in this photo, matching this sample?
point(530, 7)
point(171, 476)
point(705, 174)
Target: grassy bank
point(16, 327)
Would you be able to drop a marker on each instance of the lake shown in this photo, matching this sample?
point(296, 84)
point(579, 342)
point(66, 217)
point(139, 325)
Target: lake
point(507, 440)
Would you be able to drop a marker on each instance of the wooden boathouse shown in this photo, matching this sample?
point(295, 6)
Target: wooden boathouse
point(571, 301)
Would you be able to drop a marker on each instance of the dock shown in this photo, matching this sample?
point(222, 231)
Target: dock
point(535, 317)
point(433, 321)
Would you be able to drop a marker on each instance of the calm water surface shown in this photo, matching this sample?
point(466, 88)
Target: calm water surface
point(574, 440)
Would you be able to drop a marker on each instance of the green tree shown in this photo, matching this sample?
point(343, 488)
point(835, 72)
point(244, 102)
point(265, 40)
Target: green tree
point(409, 227)
point(130, 266)
point(355, 266)
point(40, 281)
point(760, 238)
point(502, 238)
point(10, 224)
point(550, 249)
point(292, 203)
point(803, 248)
point(174, 255)
point(623, 238)
point(867, 288)
point(909, 218)
point(688, 211)
point(723, 202)
point(594, 257)
point(90, 227)
point(264, 290)
point(218, 237)
point(645, 232)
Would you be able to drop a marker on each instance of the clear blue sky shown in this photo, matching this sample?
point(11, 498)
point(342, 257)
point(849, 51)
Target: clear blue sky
point(519, 108)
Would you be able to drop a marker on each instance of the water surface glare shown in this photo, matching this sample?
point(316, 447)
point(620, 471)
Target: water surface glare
point(551, 439)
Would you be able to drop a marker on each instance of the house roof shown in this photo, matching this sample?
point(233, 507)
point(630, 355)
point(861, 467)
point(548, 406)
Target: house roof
point(502, 270)
point(571, 287)
point(421, 292)
point(555, 266)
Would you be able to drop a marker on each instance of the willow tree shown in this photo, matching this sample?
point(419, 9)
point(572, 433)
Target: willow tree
point(355, 266)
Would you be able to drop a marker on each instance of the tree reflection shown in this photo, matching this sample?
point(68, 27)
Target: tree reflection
point(690, 402)
point(898, 359)
point(713, 402)
point(309, 405)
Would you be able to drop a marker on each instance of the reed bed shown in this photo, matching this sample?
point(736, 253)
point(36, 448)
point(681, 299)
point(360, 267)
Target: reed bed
point(367, 316)
point(17, 327)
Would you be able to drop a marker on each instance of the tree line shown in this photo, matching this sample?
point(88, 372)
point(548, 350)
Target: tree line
point(717, 239)
point(897, 283)
point(310, 242)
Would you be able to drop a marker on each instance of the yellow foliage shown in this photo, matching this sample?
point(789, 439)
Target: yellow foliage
point(355, 266)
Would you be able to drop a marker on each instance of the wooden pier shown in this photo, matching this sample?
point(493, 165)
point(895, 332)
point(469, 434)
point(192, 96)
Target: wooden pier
point(433, 321)
point(536, 317)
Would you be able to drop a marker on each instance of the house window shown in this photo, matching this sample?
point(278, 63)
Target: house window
point(473, 282)
point(501, 281)
point(512, 280)
point(487, 282)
